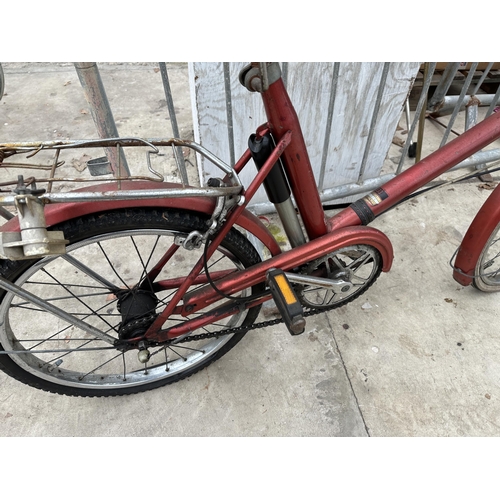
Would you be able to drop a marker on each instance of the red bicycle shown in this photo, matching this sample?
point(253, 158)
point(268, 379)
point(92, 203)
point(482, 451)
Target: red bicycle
point(139, 284)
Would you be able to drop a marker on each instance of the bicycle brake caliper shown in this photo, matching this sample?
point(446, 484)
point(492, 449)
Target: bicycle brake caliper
point(195, 239)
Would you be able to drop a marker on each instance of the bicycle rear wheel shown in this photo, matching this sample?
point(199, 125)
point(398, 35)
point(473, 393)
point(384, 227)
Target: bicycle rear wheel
point(487, 270)
point(109, 253)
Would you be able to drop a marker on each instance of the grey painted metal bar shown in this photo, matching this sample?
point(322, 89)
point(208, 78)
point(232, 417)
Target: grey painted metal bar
point(334, 193)
point(6, 214)
point(479, 159)
point(229, 111)
point(494, 102)
point(449, 103)
point(461, 98)
point(284, 73)
point(329, 120)
point(95, 94)
point(421, 121)
point(483, 77)
point(355, 188)
point(173, 121)
point(2, 82)
point(340, 192)
point(380, 93)
point(471, 120)
point(443, 85)
point(472, 107)
point(56, 311)
point(420, 106)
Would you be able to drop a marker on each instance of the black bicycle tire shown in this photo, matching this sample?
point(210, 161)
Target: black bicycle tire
point(83, 228)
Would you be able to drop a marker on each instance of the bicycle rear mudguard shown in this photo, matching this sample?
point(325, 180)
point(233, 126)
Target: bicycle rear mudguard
point(60, 212)
point(475, 238)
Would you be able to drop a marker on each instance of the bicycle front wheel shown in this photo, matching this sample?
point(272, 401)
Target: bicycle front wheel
point(108, 254)
point(487, 270)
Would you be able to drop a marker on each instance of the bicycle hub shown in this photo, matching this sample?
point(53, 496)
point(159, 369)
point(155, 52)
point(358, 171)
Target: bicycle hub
point(137, 308)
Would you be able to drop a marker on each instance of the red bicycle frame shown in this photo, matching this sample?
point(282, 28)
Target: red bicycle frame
point(325, 235)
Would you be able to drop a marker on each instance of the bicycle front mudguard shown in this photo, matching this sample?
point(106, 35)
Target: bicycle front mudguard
point(475, 239)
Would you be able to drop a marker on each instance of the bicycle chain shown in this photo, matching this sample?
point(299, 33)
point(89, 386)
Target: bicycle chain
point(256, 326)
point(238, 329)
point(310, 311)
point(144, 321)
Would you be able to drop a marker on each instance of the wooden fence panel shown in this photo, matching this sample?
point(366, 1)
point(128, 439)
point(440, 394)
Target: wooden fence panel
point(355, 90)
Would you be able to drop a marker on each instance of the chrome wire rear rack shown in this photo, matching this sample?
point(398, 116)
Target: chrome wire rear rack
point(113, 164)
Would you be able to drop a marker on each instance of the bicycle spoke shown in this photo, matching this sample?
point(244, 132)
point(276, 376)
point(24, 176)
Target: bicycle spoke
point(157, 268)
point(52, 339)
point(145, 275)
point(100, 366)
point(67, 297)
point(69, 349)
point(338, 263)
point(180, 355)
point(74, 349)
point(491, 261)
point(85, 269)
point(356, 265)
point(77, 298)
point(87, 315)
point(358, 262)
point(111, 265)
point(73, 285)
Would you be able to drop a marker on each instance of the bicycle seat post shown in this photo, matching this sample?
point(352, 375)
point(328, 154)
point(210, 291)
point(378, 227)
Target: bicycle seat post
point(265, 78)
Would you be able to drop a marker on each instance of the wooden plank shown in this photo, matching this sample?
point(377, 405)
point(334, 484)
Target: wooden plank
point(310, 87)
point(210, 117)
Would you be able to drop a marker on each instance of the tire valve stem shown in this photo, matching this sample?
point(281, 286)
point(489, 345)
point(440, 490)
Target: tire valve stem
point(143, 353)
point(56, 364)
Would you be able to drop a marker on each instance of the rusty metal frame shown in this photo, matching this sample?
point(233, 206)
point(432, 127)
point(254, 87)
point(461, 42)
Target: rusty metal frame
point(34, 147)
point(325, 235)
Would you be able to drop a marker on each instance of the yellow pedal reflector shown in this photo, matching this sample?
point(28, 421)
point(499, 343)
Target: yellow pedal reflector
point(286, 289)
point(286, 301)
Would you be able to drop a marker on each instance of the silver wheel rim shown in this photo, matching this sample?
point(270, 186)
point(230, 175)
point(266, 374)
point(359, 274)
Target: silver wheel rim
point(20, 330)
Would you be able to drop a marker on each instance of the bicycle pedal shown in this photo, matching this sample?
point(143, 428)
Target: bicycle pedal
point(286, 301)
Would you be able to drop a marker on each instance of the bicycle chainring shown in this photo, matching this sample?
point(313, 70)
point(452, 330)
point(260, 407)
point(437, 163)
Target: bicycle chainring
point(357, 265)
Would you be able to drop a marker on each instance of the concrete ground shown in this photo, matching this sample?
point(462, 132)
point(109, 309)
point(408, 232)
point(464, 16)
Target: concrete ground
point(416, 355)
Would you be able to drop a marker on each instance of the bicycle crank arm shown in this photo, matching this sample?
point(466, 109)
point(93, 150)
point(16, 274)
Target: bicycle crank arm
point(56, 311)
point(336, 286)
